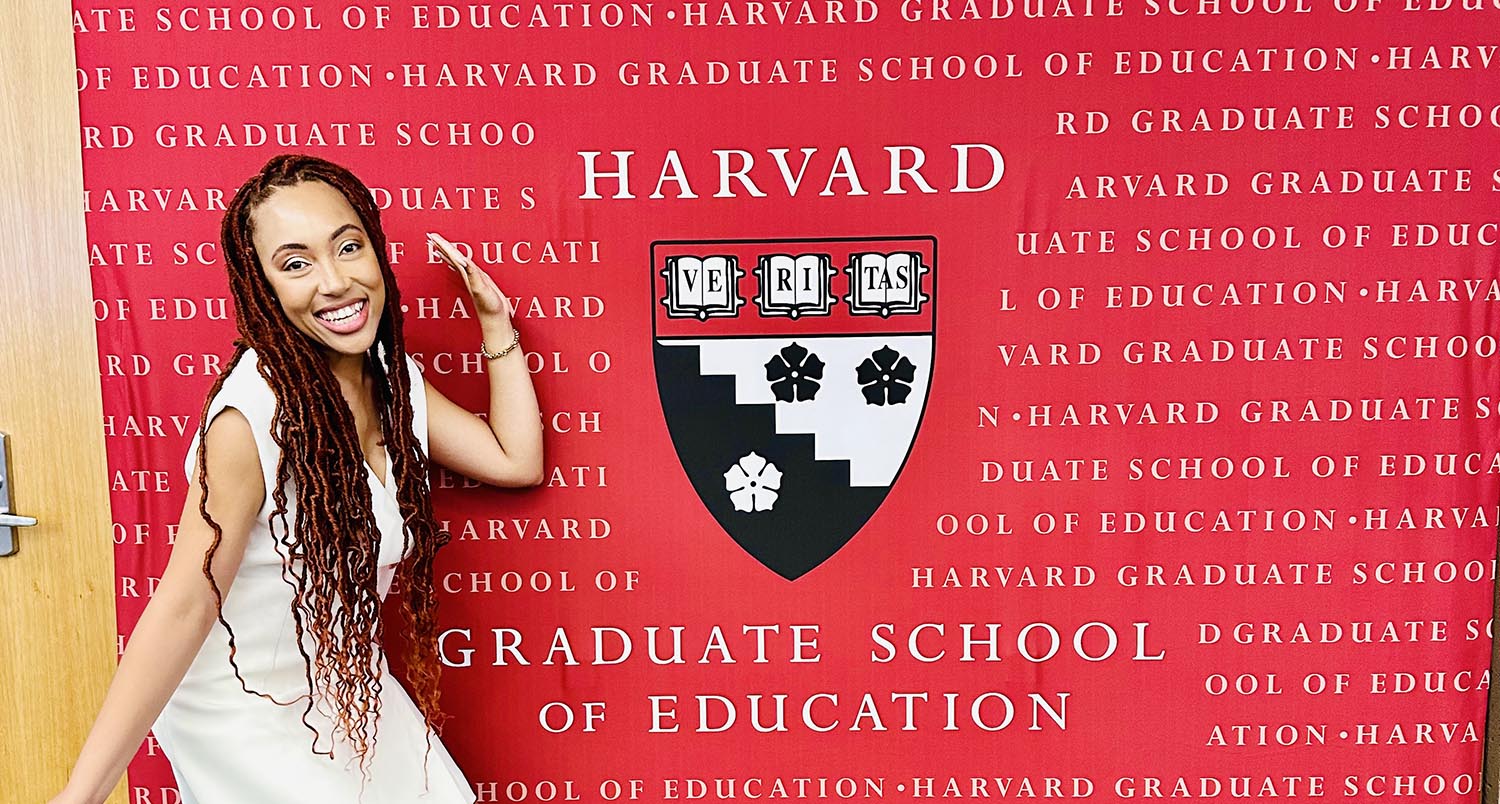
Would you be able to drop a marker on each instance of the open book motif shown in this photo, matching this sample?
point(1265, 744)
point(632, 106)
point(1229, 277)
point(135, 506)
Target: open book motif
point(886, 284)
point(702, 287)
point(794, 286)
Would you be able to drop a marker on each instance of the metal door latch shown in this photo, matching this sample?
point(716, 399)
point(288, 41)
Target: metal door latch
point(8, 521)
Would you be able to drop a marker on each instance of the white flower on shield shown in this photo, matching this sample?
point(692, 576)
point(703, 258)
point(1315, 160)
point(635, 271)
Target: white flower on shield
point(752, 483)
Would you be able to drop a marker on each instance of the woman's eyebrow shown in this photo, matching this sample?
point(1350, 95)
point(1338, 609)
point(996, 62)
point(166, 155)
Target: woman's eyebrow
point(288, 246)
point(336, 232)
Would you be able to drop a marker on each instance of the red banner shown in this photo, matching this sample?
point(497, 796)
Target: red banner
point(1057, 398)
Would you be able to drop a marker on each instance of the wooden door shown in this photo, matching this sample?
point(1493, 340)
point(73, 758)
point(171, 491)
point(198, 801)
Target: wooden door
point(57, 614)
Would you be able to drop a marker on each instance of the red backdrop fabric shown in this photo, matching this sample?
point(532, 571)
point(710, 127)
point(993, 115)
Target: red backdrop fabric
point(1191, 489)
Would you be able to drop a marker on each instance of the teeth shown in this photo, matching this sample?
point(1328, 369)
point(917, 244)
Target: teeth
point(344, 312)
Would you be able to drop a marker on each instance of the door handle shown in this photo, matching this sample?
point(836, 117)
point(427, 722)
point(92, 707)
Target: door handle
point(8, 520)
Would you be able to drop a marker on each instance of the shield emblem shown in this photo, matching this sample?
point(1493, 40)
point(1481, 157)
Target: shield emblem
point(793, 375)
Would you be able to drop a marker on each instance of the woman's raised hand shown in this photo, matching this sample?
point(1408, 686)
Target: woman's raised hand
point(490, 305)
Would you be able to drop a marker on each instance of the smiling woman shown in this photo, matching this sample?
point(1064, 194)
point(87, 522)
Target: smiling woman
point(309, 502)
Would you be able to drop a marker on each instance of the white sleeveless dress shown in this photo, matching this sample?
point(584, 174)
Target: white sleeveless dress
point(230, 747)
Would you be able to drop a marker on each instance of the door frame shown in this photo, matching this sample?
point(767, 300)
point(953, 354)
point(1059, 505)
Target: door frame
point(58, 631)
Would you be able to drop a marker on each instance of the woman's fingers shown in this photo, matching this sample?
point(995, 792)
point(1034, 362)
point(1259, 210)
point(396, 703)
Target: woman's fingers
point(476, 279)
point(450, 254)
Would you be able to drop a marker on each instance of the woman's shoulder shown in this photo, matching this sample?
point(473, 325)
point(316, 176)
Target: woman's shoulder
point(418, 400)
point(244, 386)
point(413, 368)
point(418, 384)
point(245, 390)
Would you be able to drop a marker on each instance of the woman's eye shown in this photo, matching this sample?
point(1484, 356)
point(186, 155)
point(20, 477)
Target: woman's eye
point(349, 247)
point(294, 265)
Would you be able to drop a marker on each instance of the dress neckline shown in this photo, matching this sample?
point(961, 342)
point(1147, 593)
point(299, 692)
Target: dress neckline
point(386, 484)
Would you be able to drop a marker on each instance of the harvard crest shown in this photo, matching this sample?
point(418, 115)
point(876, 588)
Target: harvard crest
point(793, 375)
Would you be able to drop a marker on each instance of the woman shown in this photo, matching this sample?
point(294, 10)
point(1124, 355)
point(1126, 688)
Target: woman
point(259, 656)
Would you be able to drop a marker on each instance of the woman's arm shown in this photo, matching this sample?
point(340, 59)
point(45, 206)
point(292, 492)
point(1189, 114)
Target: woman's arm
point(180, 613)
point(506, 450)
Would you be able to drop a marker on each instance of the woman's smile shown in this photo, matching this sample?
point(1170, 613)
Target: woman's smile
point(346, 318)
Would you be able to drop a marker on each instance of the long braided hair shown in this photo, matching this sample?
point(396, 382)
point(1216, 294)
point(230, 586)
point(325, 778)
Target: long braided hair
point(331, 547)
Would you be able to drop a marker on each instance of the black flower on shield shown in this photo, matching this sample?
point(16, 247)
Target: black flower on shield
point(886, 377)
point(794, 373)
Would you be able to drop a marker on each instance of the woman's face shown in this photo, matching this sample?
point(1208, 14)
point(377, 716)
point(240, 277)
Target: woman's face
point(321, 265)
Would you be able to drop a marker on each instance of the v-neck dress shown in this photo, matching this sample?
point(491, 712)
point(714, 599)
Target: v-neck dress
point(228, 746)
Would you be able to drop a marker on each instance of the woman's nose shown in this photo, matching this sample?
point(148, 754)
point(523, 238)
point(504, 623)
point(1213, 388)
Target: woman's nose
point(333, 280)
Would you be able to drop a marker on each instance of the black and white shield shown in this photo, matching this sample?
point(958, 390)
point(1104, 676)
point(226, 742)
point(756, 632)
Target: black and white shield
point(793, 375)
